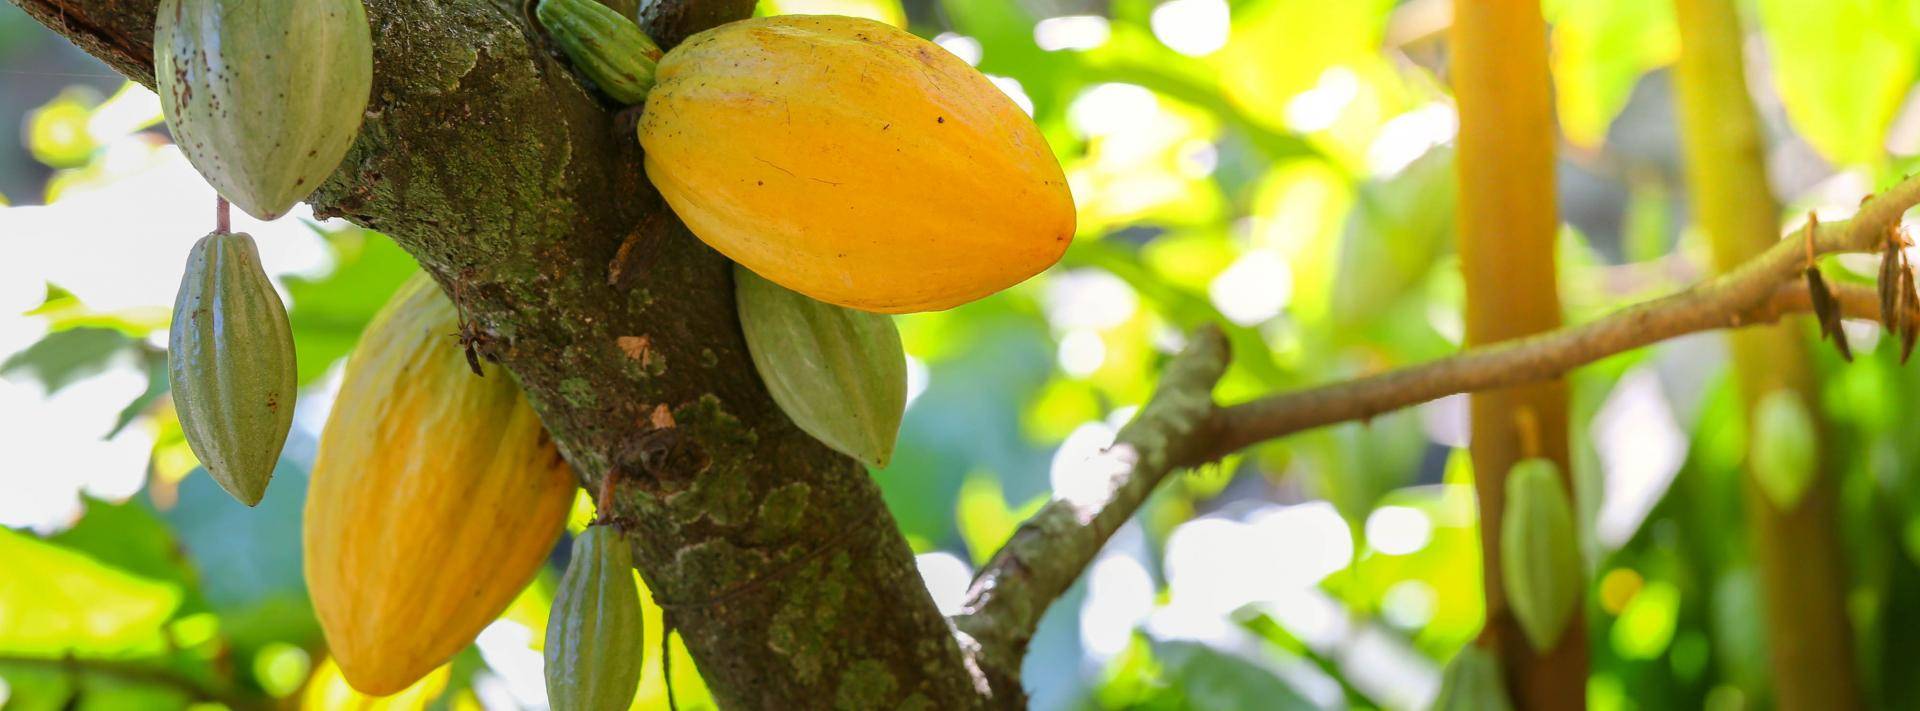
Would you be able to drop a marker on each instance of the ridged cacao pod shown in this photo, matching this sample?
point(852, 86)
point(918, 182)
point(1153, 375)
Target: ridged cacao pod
point(606, 46)
point(838, 373)
point(1472, 682)
point(263, 97)
point(853, 162)
point(1539, 553)
point(434, 498)
point(594, 644)
point(231, 364)
point(1784, 448)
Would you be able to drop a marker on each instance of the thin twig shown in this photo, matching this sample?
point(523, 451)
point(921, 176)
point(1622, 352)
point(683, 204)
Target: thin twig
point(1180, 427)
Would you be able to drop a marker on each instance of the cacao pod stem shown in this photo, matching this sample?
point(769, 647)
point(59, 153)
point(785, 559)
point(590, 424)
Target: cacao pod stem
point(610, 49)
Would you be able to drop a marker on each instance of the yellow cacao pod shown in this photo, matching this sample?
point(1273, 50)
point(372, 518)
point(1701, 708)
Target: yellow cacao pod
point(853, 162)
point(435, 497)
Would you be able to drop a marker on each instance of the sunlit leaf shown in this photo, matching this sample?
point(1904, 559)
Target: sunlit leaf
point(57, 131)
point(887, 11)
point(55, 601)
point(1842, 68)
point(1601, 48)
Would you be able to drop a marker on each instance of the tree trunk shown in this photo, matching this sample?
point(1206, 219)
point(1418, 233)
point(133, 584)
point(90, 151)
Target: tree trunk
point(523, 195)
point(1798, 555)
point(1508, 226)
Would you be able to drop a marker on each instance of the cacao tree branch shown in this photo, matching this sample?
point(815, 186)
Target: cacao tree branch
point(1048, 552)
point(1180, 426)
point(523, 195)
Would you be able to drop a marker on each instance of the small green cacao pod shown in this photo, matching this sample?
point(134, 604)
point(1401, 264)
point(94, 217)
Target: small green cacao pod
point(264, 98)
point(1783, 449)
point(1539, 554)
point(1472, 682)
point(608, 47)
point(594, 647)
point(230, 358)
point(840, 374)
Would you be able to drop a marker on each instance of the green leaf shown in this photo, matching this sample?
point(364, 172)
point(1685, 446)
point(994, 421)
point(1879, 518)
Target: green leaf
point(63, 358)
point(839, 373)
point(1842, 68)
point(78, 604)
point(1601, 48)
point(1784, 448)
point(1213, 679)
point(157, 387)
point(328, 313)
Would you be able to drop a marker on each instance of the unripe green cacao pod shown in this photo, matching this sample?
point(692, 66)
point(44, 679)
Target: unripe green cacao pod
point(606, 46)
point(1472, 682)
point(840, 374)
point(1784, 448)
point(594, 644)
point(231, 364)
point(1539, 552)
point(435, 496)
point(264, 98)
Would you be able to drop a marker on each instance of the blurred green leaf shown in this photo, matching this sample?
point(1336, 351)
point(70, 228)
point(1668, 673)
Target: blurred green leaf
point(65, 357)
point(328, 313)
point(78, 604)
point(1219, 681)
point(1842, 67)
point(1601, 48)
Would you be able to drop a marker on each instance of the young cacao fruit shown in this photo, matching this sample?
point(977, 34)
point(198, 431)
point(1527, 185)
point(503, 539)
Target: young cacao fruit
point(434, 498)
point(231, 364)
point(606, 46)
point(1539, 555)
point(853, 162)
point(838, 373)
point(1472, 682)
point(1783, 449)
point(594, 644)
point(264, 98)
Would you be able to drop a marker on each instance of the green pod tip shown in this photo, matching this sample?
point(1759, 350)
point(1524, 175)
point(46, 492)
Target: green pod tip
point(607, 47)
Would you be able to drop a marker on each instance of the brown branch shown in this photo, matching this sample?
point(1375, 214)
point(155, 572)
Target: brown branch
point(1180, 427)
point(1050, 549)
point(1741, 297)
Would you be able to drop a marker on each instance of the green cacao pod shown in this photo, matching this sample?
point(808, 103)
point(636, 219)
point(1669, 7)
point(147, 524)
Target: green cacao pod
point(1472, 682)
point(1784, 448)
point(594, 645)
point(263, 97)
point(230, 359)
point(1539, 555)
point(840, 374)
point(605, 45)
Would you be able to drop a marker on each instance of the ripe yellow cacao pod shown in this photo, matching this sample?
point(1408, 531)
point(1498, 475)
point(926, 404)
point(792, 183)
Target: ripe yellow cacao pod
point(264, 98)
point(434, 498)
point(853, 162)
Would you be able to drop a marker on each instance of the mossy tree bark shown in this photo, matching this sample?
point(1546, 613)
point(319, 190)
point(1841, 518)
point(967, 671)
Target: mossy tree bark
point(522, 193)
point(1797, 552)
point(1508, 224)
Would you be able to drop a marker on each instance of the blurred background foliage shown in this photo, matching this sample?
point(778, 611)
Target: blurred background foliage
point(1279, 166)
